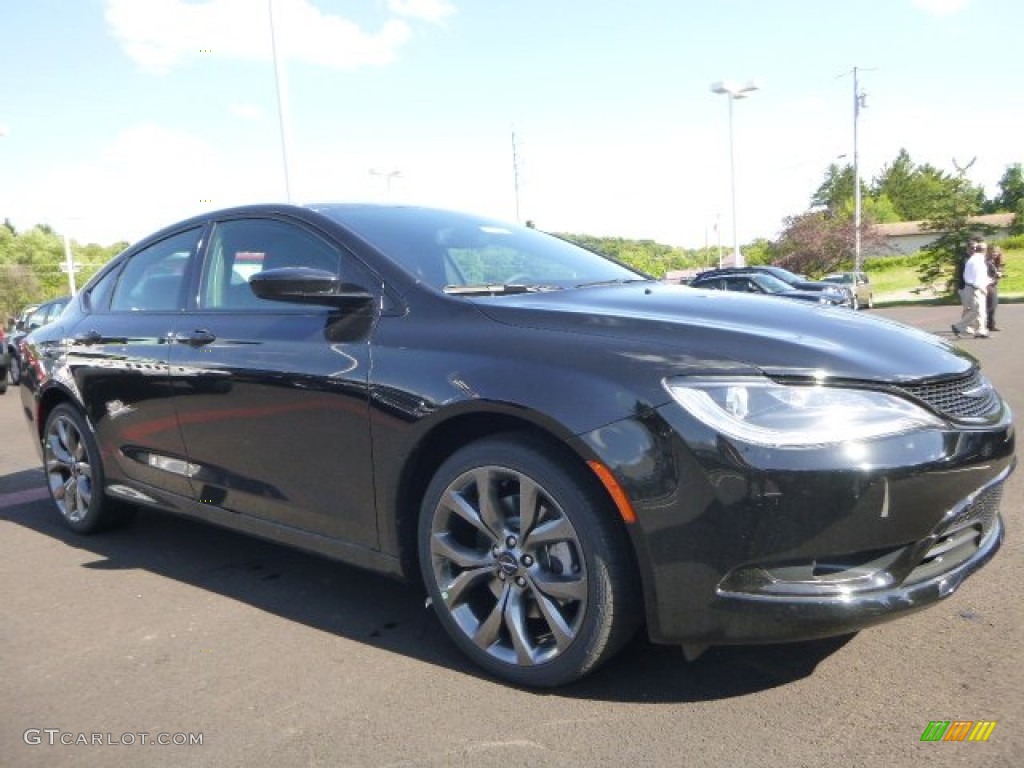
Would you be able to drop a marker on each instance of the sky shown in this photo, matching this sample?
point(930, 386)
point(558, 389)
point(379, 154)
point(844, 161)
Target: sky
point(118, 117)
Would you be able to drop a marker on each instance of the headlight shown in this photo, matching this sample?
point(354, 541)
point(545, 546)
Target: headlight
point(761, 412)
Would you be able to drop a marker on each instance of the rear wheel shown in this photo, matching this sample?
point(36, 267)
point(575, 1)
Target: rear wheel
point(15, 370)
point(74, 473)
point(529, 570)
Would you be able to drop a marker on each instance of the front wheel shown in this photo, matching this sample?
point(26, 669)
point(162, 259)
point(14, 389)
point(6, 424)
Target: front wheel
point(74, 473)
point(528, 568)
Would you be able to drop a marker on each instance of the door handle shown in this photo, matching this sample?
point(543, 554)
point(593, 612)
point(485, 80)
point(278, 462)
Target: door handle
point(195, 338)
point(88, 337)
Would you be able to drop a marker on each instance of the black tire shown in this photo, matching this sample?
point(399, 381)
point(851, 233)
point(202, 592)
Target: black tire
point(74, 473)
point(3, 382)
point(15, 370)
point(540, 602)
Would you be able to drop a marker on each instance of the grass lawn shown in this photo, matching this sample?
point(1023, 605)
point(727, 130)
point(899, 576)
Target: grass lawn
point(898, 282)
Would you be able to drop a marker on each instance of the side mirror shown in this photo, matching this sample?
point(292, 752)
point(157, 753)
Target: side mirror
point(304, 285)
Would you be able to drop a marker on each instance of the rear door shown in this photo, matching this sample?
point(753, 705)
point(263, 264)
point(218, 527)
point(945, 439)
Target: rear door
point(118, 355)
point(272, 397)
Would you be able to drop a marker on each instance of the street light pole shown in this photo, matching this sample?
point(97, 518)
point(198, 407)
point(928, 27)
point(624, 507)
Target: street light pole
point(281, 82)
point(734, 91)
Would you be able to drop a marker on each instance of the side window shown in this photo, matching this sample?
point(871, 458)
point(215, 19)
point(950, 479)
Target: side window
point(56, 309)
point(154, 278)
point(37, 319)
point(98, 295)
point(242, 248)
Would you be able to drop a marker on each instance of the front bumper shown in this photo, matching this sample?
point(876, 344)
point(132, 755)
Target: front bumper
point(741, 545)
point(748, 618)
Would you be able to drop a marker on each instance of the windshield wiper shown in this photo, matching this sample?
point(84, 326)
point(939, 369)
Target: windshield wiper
point(496, 289)
point(616, 281)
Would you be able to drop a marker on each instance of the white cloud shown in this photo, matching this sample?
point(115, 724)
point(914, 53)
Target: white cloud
point(941, 7)
point(145, 178)
point(435, 11)
point(159, 34)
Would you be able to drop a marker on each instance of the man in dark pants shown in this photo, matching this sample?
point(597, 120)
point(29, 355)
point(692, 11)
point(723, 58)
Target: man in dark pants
point(994, 260)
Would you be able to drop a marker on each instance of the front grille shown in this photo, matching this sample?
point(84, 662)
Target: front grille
point(966, 397)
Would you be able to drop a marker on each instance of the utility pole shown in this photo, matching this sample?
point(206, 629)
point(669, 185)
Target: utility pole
point(858, 102)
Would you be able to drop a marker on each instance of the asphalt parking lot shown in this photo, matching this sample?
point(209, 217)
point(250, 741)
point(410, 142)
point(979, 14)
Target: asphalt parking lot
point(174, 631)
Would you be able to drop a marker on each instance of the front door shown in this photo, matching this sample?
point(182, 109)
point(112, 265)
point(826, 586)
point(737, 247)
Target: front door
point(272, 397)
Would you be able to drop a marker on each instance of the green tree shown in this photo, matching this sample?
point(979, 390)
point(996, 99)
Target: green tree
point(1017, 225)
point(919, 192)
point(760, 251)
point(1011, 189)
point(835, 194)
point(952, 218)
point(836, 190)
point(31, 265)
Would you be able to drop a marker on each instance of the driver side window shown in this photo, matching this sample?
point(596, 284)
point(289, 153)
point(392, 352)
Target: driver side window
point(245, 247)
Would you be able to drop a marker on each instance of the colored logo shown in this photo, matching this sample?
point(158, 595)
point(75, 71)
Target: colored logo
point(958, 730)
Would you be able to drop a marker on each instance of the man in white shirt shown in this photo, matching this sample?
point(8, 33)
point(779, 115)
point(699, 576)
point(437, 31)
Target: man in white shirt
point(976, 282)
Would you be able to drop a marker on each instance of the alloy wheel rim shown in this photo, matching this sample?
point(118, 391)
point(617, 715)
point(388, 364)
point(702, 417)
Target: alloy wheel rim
point(509, 566)
point(68, 469)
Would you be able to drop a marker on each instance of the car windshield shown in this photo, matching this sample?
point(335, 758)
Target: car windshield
point(470, 255)
point(838, 279)
point(785, 275)
point(771, 284)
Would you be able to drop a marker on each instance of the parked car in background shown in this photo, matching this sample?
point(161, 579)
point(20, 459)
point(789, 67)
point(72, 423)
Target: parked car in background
point(5, 360)
point(793, 280)
point(768, 285)
point(30, 318)
point(560, 448)
point(859, 285)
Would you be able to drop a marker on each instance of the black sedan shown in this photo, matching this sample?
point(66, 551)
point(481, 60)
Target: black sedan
point(560, 448)
point(766, 285)
point(793, 280)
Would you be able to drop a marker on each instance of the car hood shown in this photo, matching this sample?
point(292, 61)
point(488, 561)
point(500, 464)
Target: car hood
point(699, 327)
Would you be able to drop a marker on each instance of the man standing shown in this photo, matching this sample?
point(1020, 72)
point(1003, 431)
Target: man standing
point(976, 280)
point(994, 258)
